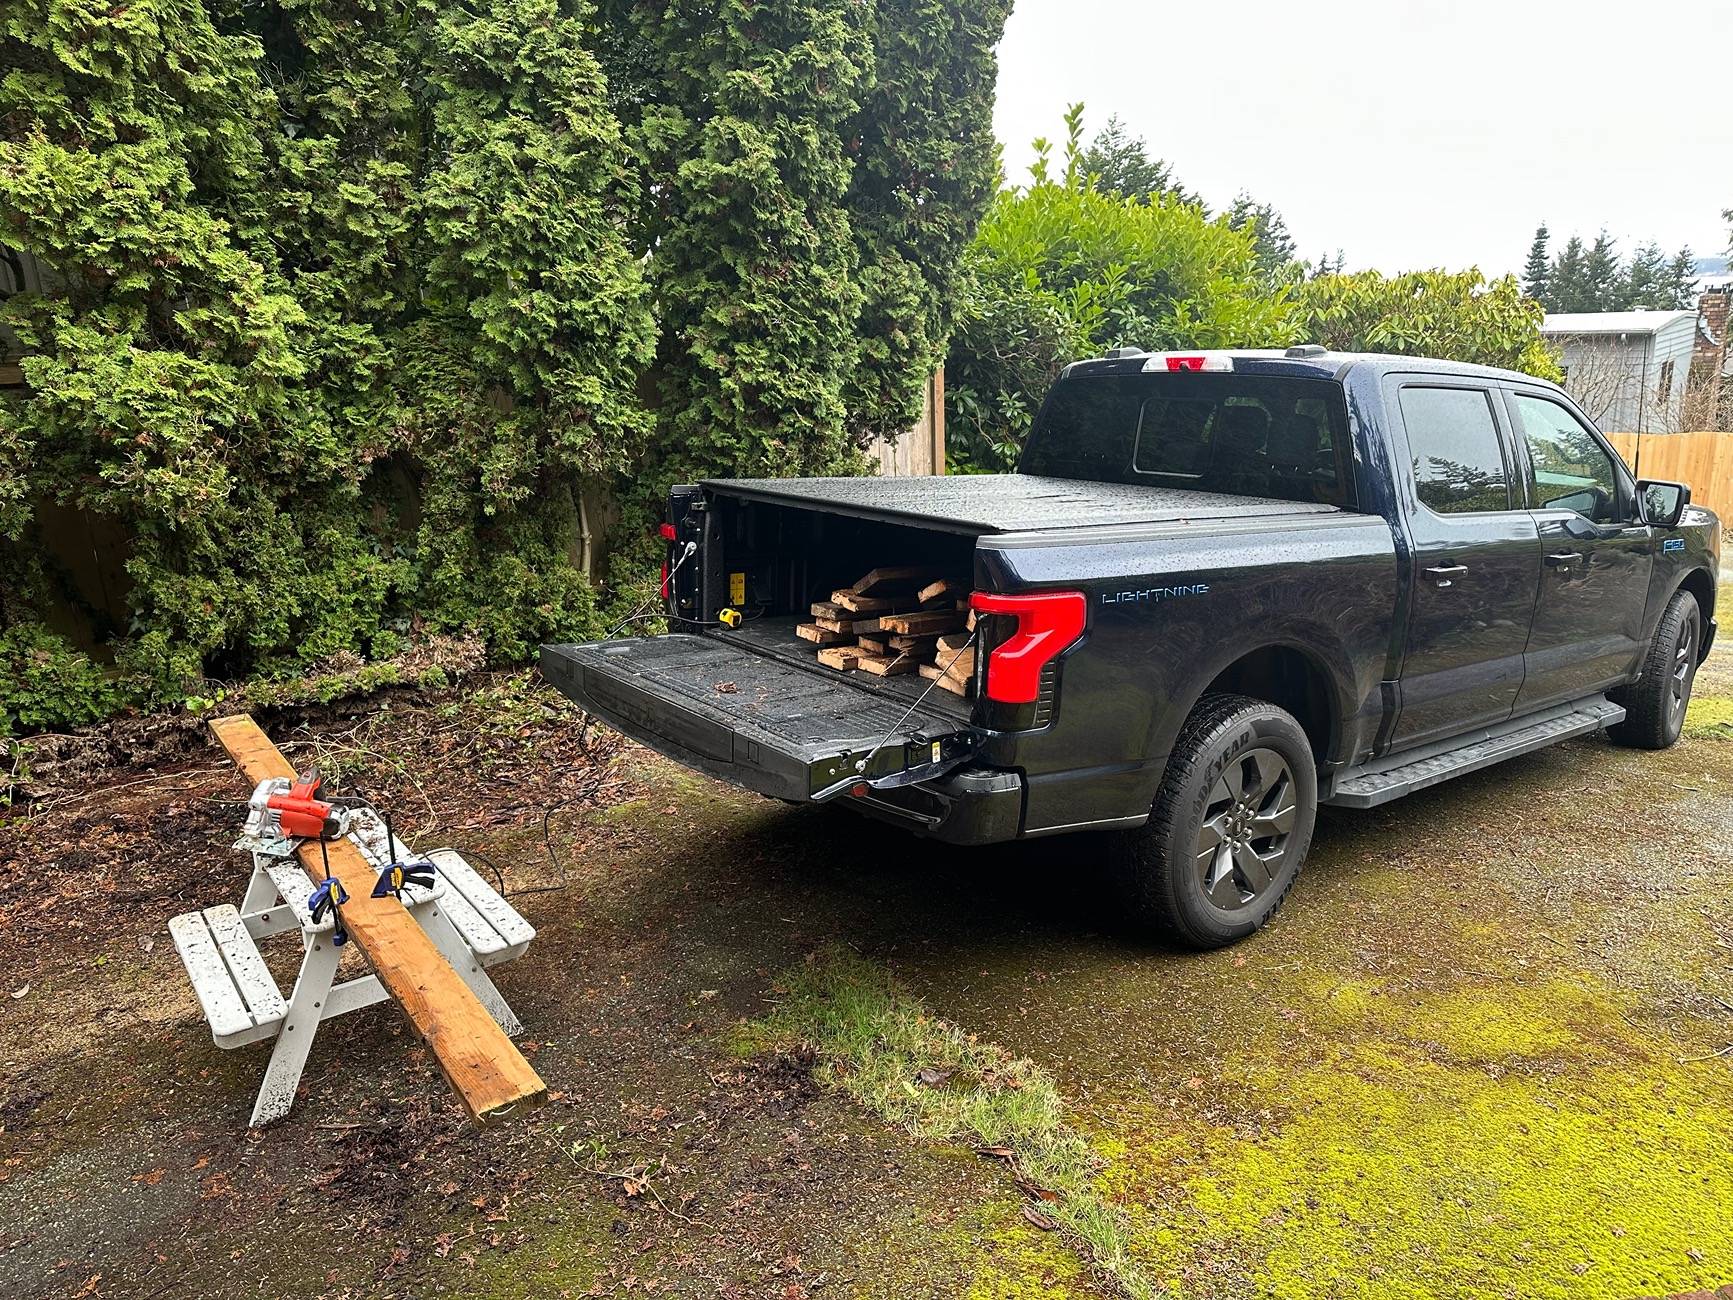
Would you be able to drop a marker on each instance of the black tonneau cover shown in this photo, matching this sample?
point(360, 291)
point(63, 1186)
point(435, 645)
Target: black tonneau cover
point(1007, 503)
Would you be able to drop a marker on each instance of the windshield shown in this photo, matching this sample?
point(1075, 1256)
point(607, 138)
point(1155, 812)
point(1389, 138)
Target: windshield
point(1243, 435)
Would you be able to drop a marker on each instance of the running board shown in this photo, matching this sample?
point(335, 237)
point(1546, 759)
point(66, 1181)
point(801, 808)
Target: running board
point(1389, 778)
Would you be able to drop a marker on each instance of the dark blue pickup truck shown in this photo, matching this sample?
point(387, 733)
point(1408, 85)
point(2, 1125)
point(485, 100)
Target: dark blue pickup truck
point(1221, 589)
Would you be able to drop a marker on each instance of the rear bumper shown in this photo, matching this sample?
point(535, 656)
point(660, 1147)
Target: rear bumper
point(975, 805)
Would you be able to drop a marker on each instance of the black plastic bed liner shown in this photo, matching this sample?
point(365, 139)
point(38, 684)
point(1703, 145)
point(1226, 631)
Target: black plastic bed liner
point(1007, 503)
point(769, 723)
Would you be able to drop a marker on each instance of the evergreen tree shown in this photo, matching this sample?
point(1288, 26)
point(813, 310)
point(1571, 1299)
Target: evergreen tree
point(1326, 265)
point(338, 315)
point(1537, 273)
point(1602, 274)
point(1269, 233)
point(1680, 292)
point(1117, 162)
point(755, 265)
point(1646, 281)
point(925, 164)
point(1569, 280)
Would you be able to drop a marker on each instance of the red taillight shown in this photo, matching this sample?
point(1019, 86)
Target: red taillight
point(1175, 362)
point(1048, 624)
point(668, 533)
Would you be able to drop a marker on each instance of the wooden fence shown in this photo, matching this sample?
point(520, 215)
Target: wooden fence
point(922, 449)
point(1703, 461)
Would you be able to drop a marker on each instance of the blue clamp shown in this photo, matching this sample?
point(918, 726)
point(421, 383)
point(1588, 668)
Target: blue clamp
point(328, 896)
point(395, 875)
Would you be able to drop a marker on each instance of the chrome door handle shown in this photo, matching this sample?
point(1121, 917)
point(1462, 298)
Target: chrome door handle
point(1445, 572)
point(1563, 559)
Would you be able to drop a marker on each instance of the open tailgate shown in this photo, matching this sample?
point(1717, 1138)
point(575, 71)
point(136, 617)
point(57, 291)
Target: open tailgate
point(777, 727)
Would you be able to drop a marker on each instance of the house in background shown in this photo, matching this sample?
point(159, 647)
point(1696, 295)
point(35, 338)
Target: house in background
point(1628, 370)
point(1713, 359)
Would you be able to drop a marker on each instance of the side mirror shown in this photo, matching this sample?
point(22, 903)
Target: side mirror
point(1662, 503)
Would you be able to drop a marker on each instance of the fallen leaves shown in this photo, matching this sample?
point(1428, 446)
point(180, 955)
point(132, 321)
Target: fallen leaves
point(1043, 1221)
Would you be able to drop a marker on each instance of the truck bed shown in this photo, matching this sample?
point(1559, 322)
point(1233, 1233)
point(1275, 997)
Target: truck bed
point(1007, 503)
point(775, 638)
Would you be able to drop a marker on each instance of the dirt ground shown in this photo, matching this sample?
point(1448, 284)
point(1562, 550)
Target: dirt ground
point(1486, 1050)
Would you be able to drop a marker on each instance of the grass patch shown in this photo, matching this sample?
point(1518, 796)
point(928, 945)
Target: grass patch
point(932, 1078)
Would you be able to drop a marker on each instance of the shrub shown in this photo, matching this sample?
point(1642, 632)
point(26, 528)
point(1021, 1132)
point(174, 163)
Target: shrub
point(338, 315)
point(44, 682)
point(1457, 316)
point(1061, 270)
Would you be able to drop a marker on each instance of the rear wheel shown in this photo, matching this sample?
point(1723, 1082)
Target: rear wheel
point(1655, 704)
point(1230, 826)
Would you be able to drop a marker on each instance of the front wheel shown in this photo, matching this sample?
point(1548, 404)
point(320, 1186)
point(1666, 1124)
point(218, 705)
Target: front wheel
point(1655, 703)
point(1230, 827)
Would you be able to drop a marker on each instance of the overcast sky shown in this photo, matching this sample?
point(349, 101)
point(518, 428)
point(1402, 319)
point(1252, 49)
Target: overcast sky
point(1407, 134)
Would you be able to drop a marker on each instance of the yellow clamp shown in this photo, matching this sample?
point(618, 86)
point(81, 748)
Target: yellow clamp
point(729, 618)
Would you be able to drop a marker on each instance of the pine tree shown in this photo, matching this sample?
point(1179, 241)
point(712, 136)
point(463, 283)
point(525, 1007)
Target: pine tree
point(1602, 274)
point(1537, 273)
point(1269, 233)
point(1567, 280)
point(1117, 162)
point(1680, 292)
point(1646, 281)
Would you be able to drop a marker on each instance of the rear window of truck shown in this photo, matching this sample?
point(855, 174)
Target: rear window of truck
point(1243, 435)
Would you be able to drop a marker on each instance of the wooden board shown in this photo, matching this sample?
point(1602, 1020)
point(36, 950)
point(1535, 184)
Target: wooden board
point(874, 645)
point(857, 604)
point(933, 673)
point(483, 1066)
point(904, 573)
point(923, 624)
point(841, 657)
point(886, 665)
point(952, 642)
point(944, 587)
point(828, 609)
point(820, 635)
point(848, 624)
point(957, 663)
point(918, 645)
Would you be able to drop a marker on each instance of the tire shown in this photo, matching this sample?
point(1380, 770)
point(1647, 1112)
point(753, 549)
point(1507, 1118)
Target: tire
point(1223, 771)
point(1655, 703)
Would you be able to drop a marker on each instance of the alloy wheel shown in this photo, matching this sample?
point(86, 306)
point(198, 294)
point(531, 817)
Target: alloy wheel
point(1248, 829)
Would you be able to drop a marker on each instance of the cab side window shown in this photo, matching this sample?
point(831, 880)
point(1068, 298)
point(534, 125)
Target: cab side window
point(1571, 471)
point(1458, 465)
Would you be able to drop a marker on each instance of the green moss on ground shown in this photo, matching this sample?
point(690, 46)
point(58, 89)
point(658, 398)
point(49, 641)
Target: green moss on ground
point(1492, 1139)
point(1710, 716)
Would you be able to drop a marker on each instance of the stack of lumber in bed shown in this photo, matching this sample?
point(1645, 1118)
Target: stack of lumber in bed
point(902, 619)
